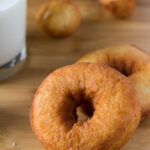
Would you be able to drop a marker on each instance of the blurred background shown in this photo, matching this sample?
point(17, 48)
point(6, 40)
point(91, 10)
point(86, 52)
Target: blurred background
point(98, 29)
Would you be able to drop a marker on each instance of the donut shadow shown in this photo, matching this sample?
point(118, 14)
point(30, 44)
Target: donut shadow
point(141, 138)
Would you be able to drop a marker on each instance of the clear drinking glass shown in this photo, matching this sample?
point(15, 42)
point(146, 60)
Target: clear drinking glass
point(12, 36)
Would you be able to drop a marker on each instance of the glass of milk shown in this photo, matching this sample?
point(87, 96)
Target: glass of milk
point(12, 36)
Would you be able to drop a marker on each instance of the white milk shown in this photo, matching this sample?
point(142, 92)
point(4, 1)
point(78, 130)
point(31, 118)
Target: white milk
point(12, 29)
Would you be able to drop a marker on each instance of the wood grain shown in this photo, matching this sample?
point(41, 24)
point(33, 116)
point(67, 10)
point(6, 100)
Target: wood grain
point(98, 29)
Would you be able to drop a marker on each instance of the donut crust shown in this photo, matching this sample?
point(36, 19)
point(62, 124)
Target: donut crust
point(132, 62)
point(116, 116)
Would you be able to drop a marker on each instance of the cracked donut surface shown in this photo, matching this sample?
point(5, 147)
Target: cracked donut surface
point(116, 112)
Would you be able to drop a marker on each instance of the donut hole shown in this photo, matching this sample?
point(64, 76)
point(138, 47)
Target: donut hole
point(125, 67)
point(123, 71)
point(74, 109)
point(84, 111)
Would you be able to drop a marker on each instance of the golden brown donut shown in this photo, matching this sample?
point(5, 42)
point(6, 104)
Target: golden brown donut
point(119, 8)
point(133, 63)
point(58, 17)
point(116, 106)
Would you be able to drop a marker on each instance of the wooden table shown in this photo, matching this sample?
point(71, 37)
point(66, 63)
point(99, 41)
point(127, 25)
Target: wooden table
point(45, 54)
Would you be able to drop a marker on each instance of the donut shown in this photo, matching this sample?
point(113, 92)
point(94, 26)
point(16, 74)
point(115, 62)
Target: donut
point(116, 108)
point(59, 18)
point(130, 61)
point(119, 8)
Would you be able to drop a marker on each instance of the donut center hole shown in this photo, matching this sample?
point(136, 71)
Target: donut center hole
point(75, 109)
point(84, 111)
point(126, 67)
point(123, 70)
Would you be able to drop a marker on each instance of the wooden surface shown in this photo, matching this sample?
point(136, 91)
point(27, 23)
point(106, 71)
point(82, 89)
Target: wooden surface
point(45, 54)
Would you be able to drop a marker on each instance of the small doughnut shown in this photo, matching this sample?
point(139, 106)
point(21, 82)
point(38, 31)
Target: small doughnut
point(116, 109)
point(58, 17)
point(133, 63)
point(119, 8)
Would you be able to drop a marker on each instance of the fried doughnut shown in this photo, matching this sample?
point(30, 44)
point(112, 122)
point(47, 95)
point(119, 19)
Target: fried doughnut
point(116, 106)
point(119, 8)
point(133, 63)
point(58, 17)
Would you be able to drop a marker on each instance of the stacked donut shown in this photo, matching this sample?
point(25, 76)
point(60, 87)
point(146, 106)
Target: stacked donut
point(109, 86)
point(131, 61)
